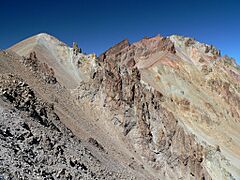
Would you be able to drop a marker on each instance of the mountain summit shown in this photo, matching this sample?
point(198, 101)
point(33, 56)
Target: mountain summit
point(56, 54)
point(160, 108)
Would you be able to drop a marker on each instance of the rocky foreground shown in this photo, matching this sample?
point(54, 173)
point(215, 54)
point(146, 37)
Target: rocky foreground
point(160, 108)
point(36, 145)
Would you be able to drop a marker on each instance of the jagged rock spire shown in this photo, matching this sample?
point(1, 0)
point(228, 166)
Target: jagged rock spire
point(76, 49)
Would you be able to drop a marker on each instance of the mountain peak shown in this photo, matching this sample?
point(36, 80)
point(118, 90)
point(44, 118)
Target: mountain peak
point(43, 34)
point(55, 53)
point(186, 43)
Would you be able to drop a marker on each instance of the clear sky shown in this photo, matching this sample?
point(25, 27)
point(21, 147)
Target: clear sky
point(97, 25)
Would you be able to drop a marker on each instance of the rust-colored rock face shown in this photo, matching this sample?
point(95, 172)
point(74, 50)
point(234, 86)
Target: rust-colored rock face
point(165, 93)
point(153, 131)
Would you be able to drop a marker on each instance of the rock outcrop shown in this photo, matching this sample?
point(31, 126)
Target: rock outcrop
point(153, 131)
point(156, 91)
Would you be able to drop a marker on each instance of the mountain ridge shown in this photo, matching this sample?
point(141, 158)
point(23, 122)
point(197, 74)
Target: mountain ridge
point(171, 103)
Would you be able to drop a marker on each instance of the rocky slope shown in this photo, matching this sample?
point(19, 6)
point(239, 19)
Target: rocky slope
point(35, 144)
point(55, 54)
point(160, 108)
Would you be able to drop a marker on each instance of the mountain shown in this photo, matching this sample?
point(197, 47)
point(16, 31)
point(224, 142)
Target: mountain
point(160, 108)
point(56, 54)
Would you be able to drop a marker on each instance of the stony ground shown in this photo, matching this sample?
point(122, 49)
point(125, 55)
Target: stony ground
point(36, 145)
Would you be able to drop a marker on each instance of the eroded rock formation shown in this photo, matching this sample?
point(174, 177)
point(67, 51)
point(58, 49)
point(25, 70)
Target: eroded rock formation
point(154, 131)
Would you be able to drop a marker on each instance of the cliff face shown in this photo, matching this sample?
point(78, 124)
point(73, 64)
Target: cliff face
point(166, 97)
point(160, 108)
point(153, 131)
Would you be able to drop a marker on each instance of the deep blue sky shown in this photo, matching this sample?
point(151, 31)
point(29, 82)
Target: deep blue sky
point(96, 25)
